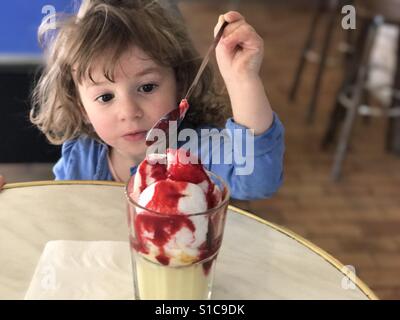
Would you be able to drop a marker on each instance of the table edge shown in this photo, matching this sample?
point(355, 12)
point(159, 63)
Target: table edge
point(364, 288)
point(61, 182)
point(308, 244)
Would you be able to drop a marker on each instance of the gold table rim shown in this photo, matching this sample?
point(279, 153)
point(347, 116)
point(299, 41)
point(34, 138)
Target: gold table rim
point(308, 244)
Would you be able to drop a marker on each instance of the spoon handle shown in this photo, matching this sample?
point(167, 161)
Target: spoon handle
point(205, 60)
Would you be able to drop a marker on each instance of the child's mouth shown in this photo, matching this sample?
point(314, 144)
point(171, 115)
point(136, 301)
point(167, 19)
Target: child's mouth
point(141, 135)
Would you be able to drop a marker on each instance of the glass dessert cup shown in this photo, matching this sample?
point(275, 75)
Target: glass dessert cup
point(183, 270)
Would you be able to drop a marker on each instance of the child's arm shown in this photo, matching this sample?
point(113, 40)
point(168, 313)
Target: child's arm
point(239, 55)
point(251, 173)
point(82, 159)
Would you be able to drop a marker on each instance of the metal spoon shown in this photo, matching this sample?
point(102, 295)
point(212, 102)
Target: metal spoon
point(178, 114)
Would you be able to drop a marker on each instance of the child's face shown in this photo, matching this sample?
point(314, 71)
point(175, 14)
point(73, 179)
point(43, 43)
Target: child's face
point(142, 93)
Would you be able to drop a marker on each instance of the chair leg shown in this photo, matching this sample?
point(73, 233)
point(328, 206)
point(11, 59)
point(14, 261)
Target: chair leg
point(393, 131)
point(321, 68)
point(307, 46)
point(336, 117)
point(338, 111)
point(349, 47)
point(394, 136)
point(355, 103)
point(344, 140)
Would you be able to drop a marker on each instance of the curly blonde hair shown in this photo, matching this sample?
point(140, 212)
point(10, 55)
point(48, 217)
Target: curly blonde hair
point(113, 26)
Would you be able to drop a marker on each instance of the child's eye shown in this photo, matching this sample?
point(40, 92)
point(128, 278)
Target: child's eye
point(105, 97)
point(147, 88)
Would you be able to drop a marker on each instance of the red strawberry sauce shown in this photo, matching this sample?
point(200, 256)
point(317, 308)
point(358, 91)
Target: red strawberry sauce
point(164, 224)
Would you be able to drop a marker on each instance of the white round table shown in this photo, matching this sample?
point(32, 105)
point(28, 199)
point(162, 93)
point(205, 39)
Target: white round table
point(258, 260)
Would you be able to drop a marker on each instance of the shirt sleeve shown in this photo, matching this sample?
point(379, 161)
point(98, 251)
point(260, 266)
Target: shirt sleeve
point(82, 159)
point(251, 165)
point(61, 169)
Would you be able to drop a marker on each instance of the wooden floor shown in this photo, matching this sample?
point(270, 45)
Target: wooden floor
point(356, 220)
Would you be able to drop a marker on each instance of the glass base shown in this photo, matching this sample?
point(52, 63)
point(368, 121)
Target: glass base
point(159, 282)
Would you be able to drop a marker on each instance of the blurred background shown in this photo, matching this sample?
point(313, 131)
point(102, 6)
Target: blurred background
point(331, 72)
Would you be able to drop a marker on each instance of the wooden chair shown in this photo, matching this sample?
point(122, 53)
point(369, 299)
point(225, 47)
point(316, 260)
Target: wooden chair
point(350, 100)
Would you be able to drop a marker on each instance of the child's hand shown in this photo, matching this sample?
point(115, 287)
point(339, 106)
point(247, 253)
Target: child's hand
point(240, 50)
point(2, 182)
point(239, 56)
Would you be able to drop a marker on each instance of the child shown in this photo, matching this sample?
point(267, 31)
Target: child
point(118, 66)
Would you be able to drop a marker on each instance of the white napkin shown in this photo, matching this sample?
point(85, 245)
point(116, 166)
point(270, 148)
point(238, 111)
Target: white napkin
point(83, 270)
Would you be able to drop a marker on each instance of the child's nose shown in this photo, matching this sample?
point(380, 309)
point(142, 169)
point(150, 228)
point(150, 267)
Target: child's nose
point(130, 110)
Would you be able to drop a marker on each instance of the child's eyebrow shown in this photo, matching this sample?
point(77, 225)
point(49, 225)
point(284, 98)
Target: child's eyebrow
point(95, 84)
point(148, 70)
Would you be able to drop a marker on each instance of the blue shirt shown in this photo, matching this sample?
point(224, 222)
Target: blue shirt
point(86, 159)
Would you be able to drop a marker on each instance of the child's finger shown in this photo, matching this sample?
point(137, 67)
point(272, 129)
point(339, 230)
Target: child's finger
point(233, 16)
point(232, 27)
point(244, 36)
point(219, 24)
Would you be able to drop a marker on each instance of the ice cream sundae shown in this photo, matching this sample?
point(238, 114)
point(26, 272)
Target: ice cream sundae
point(176, 215)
